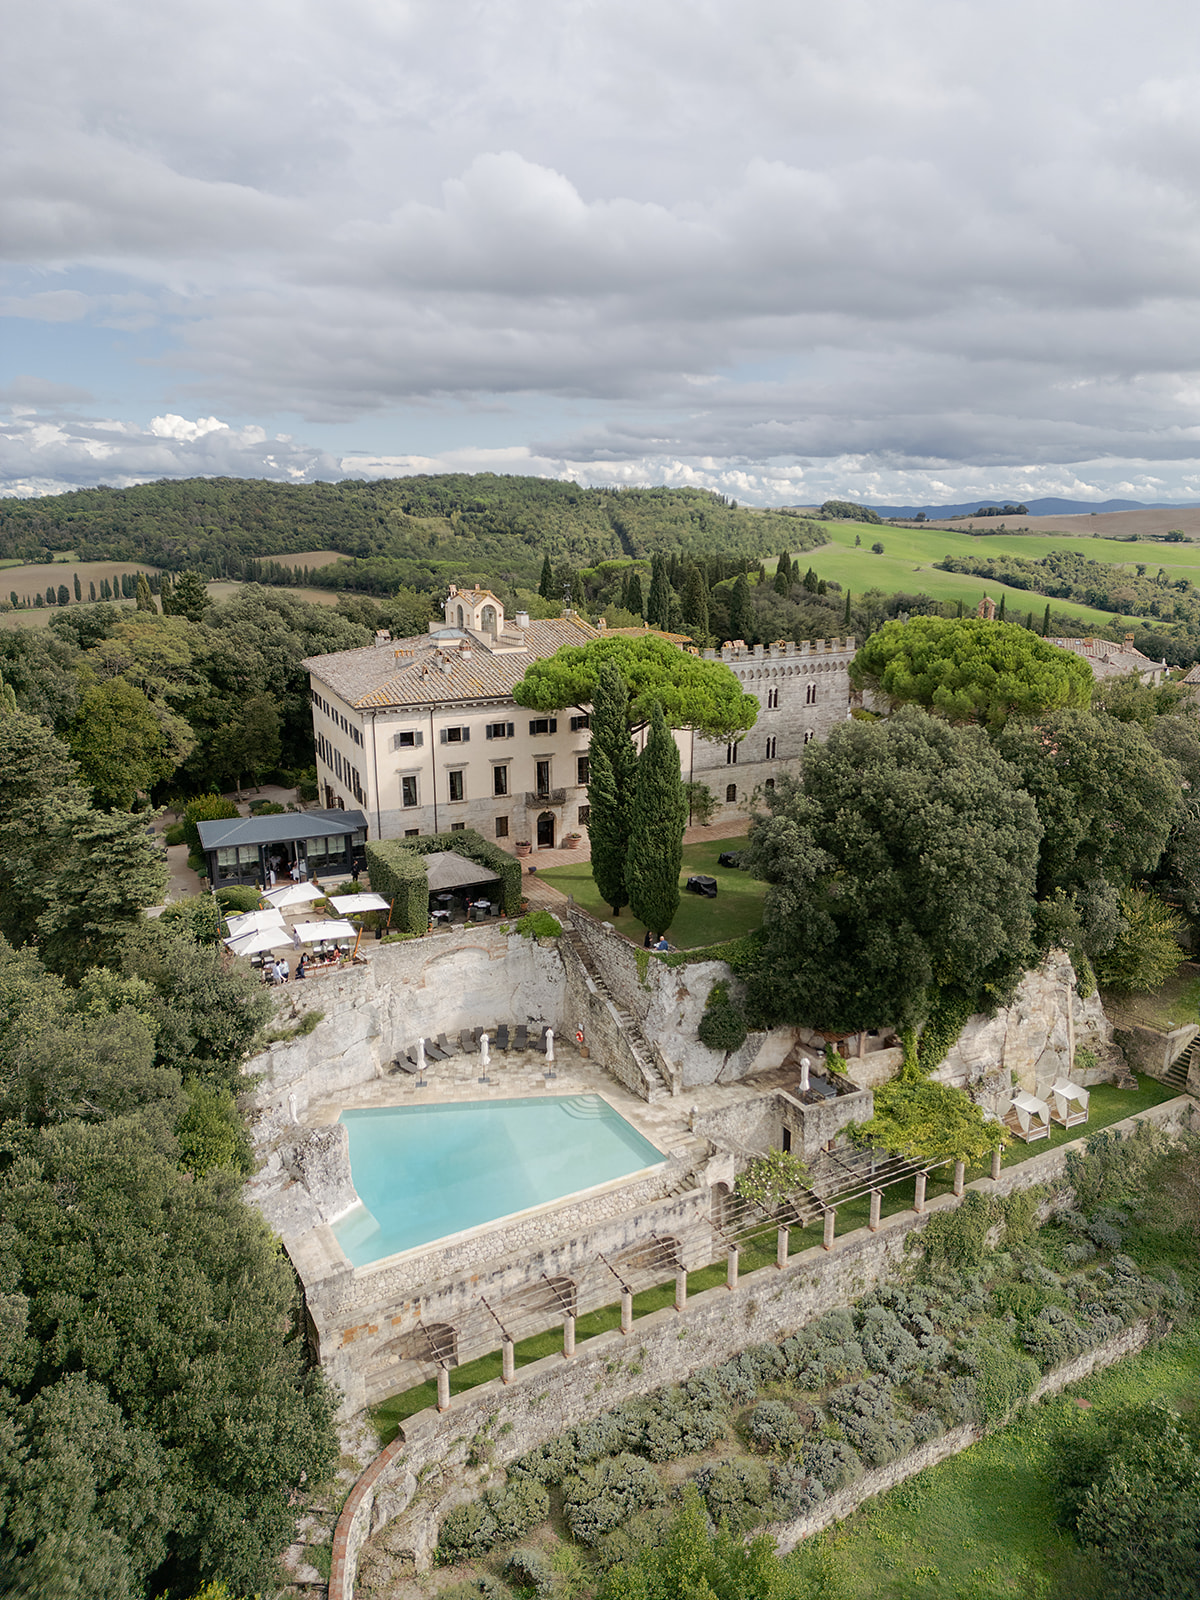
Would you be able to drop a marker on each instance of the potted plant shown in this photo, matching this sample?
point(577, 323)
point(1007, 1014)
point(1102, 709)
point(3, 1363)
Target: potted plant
point(523, 847)
point(571, 841)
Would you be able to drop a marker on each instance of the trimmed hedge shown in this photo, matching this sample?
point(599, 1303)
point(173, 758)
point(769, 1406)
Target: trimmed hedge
point(398, 874)
point(475, 847)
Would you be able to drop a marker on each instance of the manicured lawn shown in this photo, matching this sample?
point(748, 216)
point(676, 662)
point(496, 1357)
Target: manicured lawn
point(1108, 1105)
point(982, 1523)
point(737, 910)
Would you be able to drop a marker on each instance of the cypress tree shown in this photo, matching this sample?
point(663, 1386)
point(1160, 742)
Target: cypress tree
point(145, 600)
point(1000, 613)
point(92, 590)
point(811, 580)
point(655, 857)
point(658, 608)
point(78, 589)
point(783, 574)
point(960, 608)
point(695, 601)
point(612, 769)
point(546, 586)
point(739, 608)
point(846, 614)
point(633, 600)
point(1046, 623)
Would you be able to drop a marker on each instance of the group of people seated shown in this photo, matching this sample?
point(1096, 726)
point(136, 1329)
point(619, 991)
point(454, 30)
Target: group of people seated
point(651, 943)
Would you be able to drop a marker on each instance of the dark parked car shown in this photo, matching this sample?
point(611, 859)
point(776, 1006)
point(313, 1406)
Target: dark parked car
point(704, 886)
point(729, 858)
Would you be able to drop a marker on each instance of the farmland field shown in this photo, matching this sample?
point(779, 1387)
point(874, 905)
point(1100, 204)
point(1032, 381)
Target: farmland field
point(909, 553)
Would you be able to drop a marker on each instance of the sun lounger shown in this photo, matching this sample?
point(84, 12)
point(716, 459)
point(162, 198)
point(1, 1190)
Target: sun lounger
point(404, 1064)
point(446, 1047)
point(538, 1042)
point(470, 1042)
point(501, 1040)
point(434, 1052)
point(521, 1040)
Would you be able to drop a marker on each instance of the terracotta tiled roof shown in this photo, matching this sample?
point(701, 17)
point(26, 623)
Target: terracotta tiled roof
point(1193, 676)
point(1108, 651)
point(445, 668)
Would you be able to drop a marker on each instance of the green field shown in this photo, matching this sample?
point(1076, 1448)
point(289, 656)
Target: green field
point(981, 1525)
point(909, 553)
point(737, 910)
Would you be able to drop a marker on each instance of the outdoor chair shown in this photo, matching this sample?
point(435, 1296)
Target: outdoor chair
point(539, 1043)
point(501, 1039)
point(445, 1046)
point(521, 1040)
point(470, 1042)
point(403, 1063)
point(434, 1052)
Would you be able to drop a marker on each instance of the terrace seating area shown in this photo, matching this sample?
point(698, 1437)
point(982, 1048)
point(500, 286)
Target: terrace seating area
point(485, 1043)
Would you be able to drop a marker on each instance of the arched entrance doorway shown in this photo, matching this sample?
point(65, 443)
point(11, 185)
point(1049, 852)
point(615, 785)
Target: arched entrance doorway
point(545, 831)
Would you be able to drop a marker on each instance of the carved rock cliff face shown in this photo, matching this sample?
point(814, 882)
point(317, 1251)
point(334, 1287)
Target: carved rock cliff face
point(1030, 1041)
point(320, 1160)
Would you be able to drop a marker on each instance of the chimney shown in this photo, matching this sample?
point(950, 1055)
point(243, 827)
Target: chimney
point(453, 588)
point(521, 619)
point(1128, 645)
point(382, 637)
point(602, 625)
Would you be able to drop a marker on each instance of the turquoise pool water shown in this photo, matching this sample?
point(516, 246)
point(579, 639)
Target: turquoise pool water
point(423, 1172)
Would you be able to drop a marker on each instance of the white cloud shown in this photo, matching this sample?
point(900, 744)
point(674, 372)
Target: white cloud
point(908, 232)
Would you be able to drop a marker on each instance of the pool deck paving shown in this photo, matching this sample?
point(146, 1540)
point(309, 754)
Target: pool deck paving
point(513, 1075)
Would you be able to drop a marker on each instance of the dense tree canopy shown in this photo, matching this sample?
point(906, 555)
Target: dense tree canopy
point(903, 867)
point(970, 670)
point(692, 692)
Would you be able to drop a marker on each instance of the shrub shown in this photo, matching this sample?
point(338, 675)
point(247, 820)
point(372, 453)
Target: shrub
point(266, 808)
point(645, 1530)
point(1053, 1336)
point(833, 1463)
point(207, 808)
point(773, 1425)
point(722, 1024)
point(465, 1532)
point(736, 1493)
point(529, 1570)
point(548, 1463)
point(175, 834)
point(958, 1238)
point(599, 1498)
point(769, 1179)
point(539, 925)
point(398, 874)
point(793, 1490)
point(867, 1415)
point(517, 1507)
point(1003, 1375)
point(238, 897)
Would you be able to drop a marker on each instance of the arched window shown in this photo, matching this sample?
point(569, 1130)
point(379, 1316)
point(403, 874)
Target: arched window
point(730, 793)
point(487, 618)
point(460, 616)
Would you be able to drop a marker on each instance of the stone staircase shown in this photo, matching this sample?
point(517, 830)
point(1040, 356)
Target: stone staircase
point(650, 1064)
point(1176, 1075)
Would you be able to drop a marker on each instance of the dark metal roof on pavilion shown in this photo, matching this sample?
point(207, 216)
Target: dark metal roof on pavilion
point(279, 828)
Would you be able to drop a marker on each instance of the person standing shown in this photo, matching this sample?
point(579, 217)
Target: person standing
point(271, 875)
point(295, 874)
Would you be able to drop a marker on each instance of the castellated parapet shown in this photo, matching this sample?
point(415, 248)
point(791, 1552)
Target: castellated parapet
point(803, 693)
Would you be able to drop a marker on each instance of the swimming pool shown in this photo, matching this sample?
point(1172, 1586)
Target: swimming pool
point(423, 1172)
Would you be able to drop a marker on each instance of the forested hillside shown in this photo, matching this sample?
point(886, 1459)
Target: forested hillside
point(418, 530)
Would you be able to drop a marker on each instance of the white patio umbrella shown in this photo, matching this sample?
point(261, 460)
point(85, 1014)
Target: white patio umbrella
point(253, 922)
point(344, 904)
point(293, 894)
point(314, 932)
point(265, 939)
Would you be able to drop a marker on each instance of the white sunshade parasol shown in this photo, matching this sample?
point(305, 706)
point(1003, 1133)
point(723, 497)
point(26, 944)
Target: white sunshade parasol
point(346, 903)
point(293, 894)
point(314, 932)
point(265, 939)
point(253, 922)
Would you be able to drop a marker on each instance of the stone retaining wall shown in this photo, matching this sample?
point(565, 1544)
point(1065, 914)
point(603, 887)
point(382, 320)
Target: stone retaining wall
point(422, 1474)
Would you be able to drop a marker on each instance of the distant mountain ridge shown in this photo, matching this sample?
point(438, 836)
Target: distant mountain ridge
point(1035, 508)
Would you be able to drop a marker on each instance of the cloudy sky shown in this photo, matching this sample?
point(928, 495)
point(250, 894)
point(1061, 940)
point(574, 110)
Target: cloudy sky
point(903, 250)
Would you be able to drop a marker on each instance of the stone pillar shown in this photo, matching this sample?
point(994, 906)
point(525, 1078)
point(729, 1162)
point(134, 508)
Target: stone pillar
point(782, 1239)
point(830, 1225)
point(997, 1154)
point(508, 1361)
point(680, 1289)
point(960, 1177)
point(443, 1402)
point(626, 1310)
point(731, 1267)
point(568, 1337)
point(876, 1207)
point(919, 1197)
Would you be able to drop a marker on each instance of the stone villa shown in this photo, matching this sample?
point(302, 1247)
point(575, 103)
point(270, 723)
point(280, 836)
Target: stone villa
point(423, 734)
